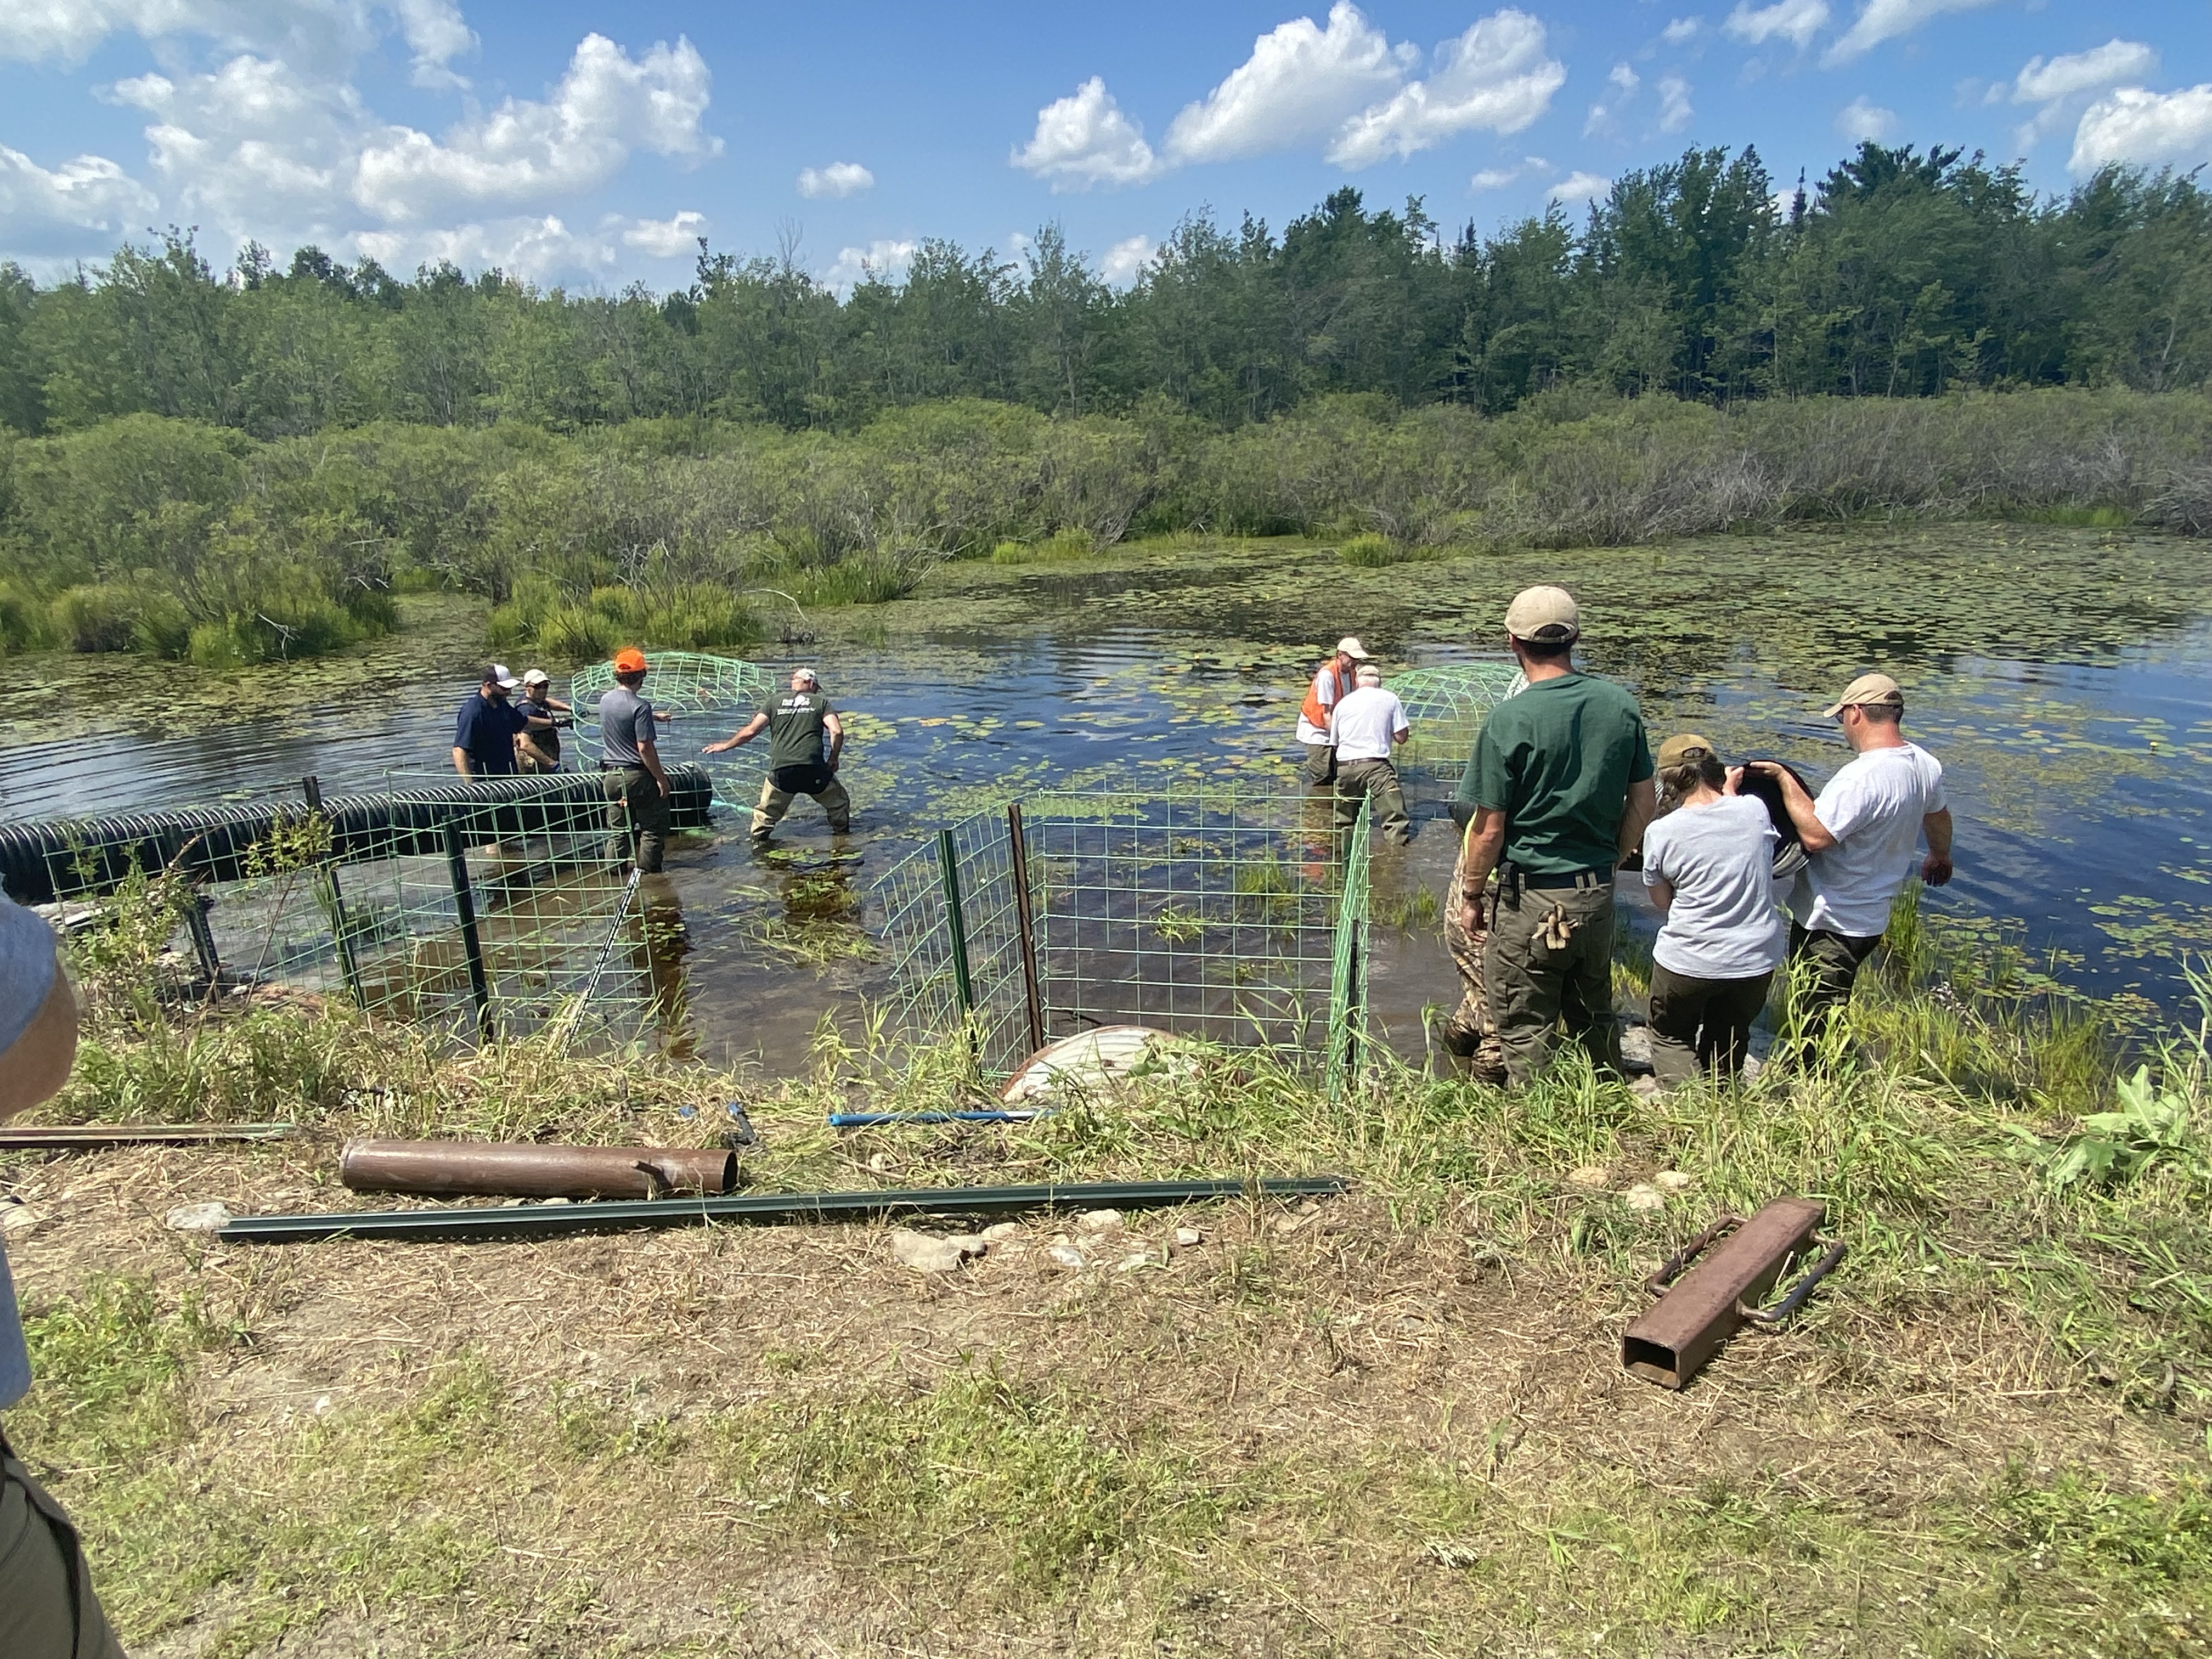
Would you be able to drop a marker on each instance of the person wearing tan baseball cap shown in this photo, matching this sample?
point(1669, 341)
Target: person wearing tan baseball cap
point(1859, 837)
point(1560, 787)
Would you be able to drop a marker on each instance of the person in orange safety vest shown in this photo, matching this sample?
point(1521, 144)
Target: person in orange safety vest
point(1332, 680)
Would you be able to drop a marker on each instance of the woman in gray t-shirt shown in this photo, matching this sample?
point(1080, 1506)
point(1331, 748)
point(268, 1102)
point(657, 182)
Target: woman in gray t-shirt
point(1708, 864)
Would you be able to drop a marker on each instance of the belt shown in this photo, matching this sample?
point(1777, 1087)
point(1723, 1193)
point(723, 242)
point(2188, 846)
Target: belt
point(622, 766)
point(1600, 875)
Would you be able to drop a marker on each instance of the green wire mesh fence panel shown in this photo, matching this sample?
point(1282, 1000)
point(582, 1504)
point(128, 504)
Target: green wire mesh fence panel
point(1216, 914)
point(475, 919)
point(1446, 707)
point(1347, 999)
point(681, 683)
point(960, 970)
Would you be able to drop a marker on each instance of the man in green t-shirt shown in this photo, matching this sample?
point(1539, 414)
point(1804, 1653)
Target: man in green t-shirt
point(1561, 782)
point(805, 742)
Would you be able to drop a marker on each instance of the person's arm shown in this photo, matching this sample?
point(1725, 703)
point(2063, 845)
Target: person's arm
point(1636, 817)
point(752, 729)
point(37, 1064)
point(648, 753)
point(1811, 835)
point(835, 728)
point(560, 707)
point(524, 746)
point(1935, 868)
point(1486, 845)
point(461, 761)
point(1403, 729)
point(1661, 891)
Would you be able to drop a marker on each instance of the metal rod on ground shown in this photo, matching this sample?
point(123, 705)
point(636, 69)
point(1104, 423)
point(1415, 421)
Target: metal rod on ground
point(775, 1209)
point(1700, 1310)
point(955, 923)
point(333, 900)
point(91, 1137)
point(873, 1120)
point(464, 904)
point(1033, 997)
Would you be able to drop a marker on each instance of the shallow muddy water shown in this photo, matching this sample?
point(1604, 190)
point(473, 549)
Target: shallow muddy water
point(2062, 676)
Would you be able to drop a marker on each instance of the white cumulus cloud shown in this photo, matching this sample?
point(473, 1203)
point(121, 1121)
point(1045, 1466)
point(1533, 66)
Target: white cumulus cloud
point(1887, 19)
point(665, 239)
point(1126, 260)
point(2062, 85)
point(537, 249)
point(1624, 81)
point(1682, 30)
point(1795, 21)
point(1864, 118)
point(1580, 187)
point(88, 192)
point(1497, 76)
point(2043, 79)
point(838, 178)
point(882, 260)
point(1532, 167)
point(316, 35)
point(607, 105)
point(1300, 85)
point(1675, 111)
point(2148, 129)
point(1084, 139)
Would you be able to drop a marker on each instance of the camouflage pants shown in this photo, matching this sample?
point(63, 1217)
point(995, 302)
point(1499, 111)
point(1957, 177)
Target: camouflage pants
point(1469, 1028)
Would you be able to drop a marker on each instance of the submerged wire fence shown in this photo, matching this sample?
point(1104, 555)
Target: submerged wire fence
point(479, 912)
point(1239, 918)
point(1446, 707)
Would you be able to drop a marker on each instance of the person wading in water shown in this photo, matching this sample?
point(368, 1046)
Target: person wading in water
point(806, 741)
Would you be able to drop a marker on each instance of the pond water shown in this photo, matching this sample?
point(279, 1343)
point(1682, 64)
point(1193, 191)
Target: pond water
point(2061, 676)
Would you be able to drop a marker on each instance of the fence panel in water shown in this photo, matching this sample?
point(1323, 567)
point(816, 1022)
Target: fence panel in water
point(1446, 707)
point(1238, 918)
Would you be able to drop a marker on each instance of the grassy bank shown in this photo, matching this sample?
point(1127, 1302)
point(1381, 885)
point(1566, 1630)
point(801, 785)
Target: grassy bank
point(1379, 1425)
point(182, 540)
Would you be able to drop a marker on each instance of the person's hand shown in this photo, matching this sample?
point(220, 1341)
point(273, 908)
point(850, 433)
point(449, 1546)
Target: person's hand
point(664, 788)
point(1764, 767)
point(1935, 870)
point(1470, 914)
point(1734, 782)
point(714, 748)
point(663, 715)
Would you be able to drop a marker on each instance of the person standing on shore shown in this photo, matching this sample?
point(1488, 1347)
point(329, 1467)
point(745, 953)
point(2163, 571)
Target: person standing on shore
point(1332, 681)
point(805, 743)
point(1363, 729)
point(485, 731)
point(1709, 867)
point(630, 759)
point(1859, 837)
point(540, 748)
point(47, 1607)
point(1561, 782)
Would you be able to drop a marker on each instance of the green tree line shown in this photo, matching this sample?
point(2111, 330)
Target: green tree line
point(1899, 273)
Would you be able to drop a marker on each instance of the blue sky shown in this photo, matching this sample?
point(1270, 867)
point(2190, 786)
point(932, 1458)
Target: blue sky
point(587, 144)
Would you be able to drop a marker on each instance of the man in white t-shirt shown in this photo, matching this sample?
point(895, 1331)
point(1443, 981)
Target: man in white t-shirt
point(1364, 726)
point(1861, 838)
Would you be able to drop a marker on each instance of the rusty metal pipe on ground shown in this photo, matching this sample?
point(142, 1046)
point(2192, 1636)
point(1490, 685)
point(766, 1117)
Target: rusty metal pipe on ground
point(1670, 1343)
point(488, 1169)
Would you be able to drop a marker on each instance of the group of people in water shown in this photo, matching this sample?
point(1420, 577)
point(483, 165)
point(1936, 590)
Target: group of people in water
point(1750, 872)
point(494, 735)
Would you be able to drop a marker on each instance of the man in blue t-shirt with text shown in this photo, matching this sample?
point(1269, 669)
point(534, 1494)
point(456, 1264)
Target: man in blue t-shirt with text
point(1561, 782)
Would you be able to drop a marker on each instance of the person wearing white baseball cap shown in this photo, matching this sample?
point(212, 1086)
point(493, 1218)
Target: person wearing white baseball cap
point(1560, 785)
point(47, 1607)
point(540, 748)
point(1859, 837)
point(1333, 681)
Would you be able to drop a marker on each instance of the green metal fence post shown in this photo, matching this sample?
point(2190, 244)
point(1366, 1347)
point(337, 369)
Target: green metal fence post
point(1026, 920)
point(955, 922)
point(465, 906)
point(333, 900)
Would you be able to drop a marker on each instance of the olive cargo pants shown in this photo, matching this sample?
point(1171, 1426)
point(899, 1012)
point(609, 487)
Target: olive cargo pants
point(637, 793)
point(47, 1608)
point(1536, 981)
point(1702, 1025)
point(1375, 782)
point(785, 785)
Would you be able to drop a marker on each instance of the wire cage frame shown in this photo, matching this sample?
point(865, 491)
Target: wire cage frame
point(681, 683)
point(478, 919)
point(1446, 707)
point(1237, 917)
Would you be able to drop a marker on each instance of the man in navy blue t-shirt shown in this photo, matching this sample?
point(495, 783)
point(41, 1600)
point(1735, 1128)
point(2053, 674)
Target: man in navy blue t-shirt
point(483, 736)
